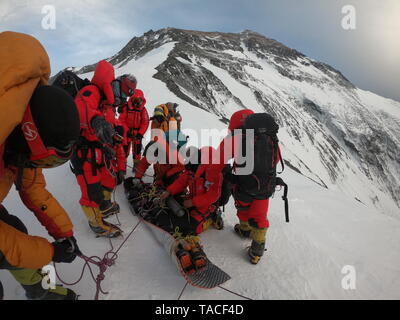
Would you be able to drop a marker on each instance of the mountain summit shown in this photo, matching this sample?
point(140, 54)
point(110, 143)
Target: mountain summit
point(331, 131)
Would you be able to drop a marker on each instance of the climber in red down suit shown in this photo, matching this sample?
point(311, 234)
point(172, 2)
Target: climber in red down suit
point(99, 160)
point(136, 118)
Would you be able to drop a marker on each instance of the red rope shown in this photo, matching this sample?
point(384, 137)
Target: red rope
point(103, 264)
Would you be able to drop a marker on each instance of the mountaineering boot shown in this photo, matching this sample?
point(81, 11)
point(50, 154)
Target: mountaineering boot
point(256, 251)
point(199, 257)
point(108, 208)
point(100, 227)
point(217, 221)
point(197, 254)
point(184, 257)
point(31, 281)
point(243, 229)
point(209, 222)
point(185, 261)
point(257, 248)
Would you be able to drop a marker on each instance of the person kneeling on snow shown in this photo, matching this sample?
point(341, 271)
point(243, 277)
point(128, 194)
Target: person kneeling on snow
point(201, 185)
point(164, 173)
point(197, 189)
point(39, 127)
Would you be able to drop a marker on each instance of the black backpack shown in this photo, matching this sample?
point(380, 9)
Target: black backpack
point(263, 180)
point(70, 82)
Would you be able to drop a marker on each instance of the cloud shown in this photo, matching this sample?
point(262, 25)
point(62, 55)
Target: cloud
point(86, 30)
point(89, 30)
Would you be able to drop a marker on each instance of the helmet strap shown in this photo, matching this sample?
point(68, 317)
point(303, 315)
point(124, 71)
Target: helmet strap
point(32, 137)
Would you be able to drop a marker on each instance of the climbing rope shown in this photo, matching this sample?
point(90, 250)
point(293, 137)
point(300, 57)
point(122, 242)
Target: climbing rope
point(180, 296)
point(103, 264)
point(111, 256)
point(144, 174)
point(236, 294)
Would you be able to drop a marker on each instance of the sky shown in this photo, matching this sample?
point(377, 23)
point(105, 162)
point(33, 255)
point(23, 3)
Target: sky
point(86, 31)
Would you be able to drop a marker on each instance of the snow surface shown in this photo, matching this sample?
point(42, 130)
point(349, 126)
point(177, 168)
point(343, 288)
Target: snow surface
point(328, 230)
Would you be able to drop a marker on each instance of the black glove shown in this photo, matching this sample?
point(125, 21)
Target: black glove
point(130, 134)
point(65, 250)
point(120, 177)
point(103, 129)
point(119, 134)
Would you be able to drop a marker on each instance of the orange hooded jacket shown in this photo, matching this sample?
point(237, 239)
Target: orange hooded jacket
point(21, 72)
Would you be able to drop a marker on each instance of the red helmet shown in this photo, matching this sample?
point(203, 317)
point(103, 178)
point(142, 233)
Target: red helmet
point(128, 84)
point(237, 119)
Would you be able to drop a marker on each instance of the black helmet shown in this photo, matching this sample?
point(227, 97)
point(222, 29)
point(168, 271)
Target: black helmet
point(49, 129)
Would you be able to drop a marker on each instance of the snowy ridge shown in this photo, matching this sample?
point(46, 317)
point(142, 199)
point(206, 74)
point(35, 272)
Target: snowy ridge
point(331, 131)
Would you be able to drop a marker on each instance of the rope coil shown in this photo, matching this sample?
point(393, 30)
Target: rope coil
point(102, 263)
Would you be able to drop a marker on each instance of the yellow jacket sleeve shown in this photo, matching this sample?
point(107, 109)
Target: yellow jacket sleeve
point(45, 207)
point(22, 250)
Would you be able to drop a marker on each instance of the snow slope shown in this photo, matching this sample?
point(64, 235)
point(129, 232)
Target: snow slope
point(331, 131)
point(328, 230)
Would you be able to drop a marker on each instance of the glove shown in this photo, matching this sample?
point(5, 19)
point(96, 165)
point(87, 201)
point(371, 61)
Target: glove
point(120, 177)
point(119, 134)
point(103, 129)
point(65, 250)
point(130, 134)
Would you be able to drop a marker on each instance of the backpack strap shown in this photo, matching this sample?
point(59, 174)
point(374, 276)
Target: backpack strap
point(281, 160)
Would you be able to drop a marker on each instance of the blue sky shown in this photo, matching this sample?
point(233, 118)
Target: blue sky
point(89, 30)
